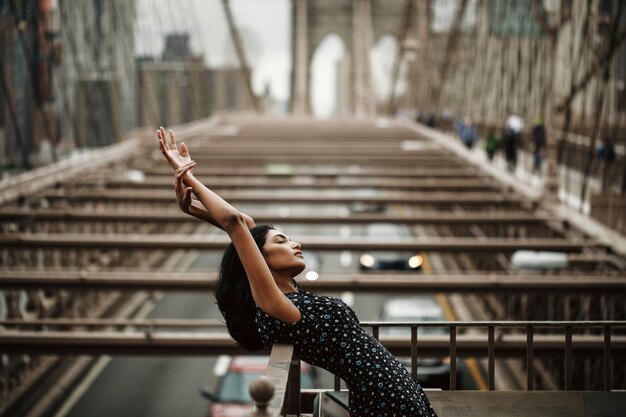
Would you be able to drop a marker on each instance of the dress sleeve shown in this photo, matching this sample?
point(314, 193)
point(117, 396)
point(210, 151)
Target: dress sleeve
point(273, 330)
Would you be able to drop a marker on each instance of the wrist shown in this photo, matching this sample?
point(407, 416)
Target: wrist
point(188, 178)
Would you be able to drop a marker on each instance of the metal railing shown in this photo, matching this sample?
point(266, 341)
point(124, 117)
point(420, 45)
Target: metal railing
point(598, 339)
point(466, 282)
point(278, 393)
point(457, 347)
point(282, 375)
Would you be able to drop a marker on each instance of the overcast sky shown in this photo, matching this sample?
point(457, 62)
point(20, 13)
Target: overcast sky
point(265, 27)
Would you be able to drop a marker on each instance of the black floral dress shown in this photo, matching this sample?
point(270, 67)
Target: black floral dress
point(329, 336)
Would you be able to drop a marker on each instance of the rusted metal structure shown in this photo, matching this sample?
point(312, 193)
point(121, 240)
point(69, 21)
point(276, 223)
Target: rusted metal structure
point(110, 224)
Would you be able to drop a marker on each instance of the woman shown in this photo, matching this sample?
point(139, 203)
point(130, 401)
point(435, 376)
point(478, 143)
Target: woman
point(261, 304)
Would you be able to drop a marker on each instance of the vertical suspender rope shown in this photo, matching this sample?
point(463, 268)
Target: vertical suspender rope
point(13, 116)
point(402, 35)
point(600, 102)
point(234, 33)
point(30, 64)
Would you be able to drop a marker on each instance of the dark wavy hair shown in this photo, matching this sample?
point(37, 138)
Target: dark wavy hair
point(234, 297)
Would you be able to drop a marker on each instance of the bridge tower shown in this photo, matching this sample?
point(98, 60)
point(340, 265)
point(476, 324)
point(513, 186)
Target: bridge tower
point(360, 24)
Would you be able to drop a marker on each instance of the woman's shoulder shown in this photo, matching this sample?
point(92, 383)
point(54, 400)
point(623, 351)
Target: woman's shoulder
point(306, 297)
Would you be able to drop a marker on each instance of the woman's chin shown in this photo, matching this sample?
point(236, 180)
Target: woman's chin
point(298, 269)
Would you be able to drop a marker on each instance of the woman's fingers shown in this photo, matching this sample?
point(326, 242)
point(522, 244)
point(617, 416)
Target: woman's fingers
point(180, 172)
point(161, 137)
point(184, 152)
point(172, 140)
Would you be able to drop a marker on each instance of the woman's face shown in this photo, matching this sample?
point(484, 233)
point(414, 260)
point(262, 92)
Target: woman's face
point(282, 254)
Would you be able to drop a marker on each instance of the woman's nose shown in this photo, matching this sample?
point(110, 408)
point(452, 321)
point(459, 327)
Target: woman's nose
point(297, 245)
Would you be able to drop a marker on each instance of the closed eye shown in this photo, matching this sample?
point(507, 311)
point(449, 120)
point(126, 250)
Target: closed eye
point(280, 239)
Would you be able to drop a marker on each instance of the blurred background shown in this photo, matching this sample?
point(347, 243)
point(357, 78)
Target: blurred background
point(475, 147)
point(146, 63)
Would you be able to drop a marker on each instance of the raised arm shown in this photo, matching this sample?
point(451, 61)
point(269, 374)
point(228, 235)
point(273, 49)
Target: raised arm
point(266, 293)
point(194, 207)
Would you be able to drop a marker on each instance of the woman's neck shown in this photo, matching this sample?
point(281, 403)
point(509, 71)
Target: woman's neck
point(285, 284)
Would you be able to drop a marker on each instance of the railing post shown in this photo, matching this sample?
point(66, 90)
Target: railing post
point(530, 367)
point(292, 399)
point(452, 358)
point(568, 358)
point(607, 358)
point(277, 374)
point(414, 352)
point(261, 391)
point(492, 358)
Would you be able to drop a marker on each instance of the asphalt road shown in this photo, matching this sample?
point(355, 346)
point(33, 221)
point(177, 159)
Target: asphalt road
point(168, 386)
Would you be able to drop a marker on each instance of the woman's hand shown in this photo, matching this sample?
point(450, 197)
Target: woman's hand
point(248, 220)
point(175, 157)
point(183, 193)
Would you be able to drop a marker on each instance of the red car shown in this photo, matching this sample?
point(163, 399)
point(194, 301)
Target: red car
point(232, 398)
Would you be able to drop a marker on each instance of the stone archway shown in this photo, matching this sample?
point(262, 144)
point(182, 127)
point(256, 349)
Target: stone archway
point(352, 21)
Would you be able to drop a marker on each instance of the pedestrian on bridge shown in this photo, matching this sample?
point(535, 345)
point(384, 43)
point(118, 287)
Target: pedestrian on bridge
point(539, 143)
point(513, 128)
point(468, 133)
point(262, 305)
point(492, 143)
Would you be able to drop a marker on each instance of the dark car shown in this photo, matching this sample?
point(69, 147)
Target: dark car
point(232, 398)
point(366, 206)
point(389, 260)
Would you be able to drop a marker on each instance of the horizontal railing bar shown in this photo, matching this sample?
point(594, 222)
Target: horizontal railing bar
point(319, 144)
point(385, 283)
point(182, 323)
point(205, 343)
point(297, 170)
point(164, 196)
point(221, 184)
point(498, 323)
point(207, 242)
point(143, 323)
point(165, 215)
point(237, 160)
point(235, 148)
point(287, 132)
point(370, 158)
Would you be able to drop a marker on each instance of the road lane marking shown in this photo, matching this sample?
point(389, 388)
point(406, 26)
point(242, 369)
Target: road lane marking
point(472, 363)
point(83, 386)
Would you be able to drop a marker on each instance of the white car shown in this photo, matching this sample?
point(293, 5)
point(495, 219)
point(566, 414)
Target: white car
point(419, 308)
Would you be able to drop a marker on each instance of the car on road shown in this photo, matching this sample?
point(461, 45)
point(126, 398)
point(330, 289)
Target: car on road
point(431, 372)
point(389, 260)
point(232, 398)
point(364, 205)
